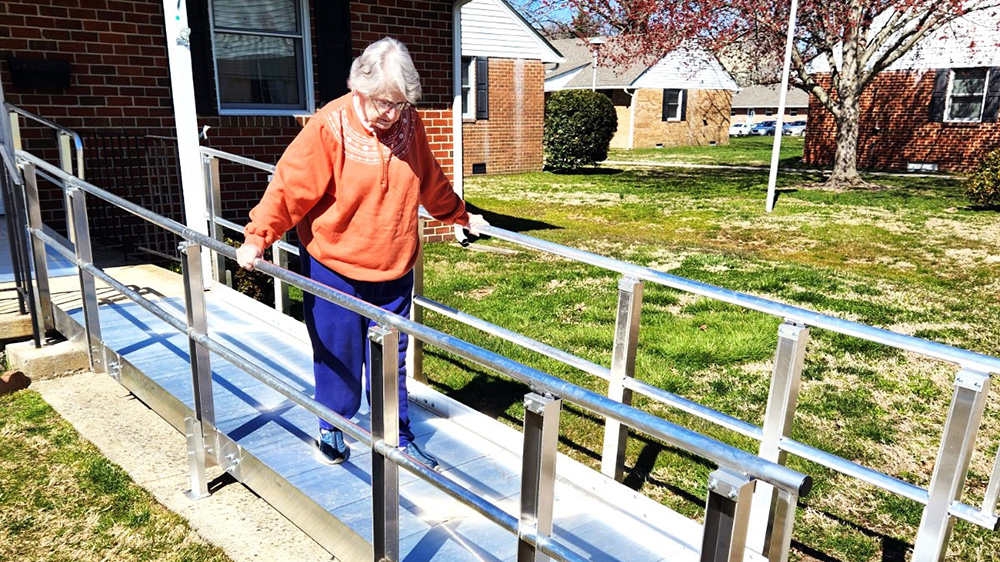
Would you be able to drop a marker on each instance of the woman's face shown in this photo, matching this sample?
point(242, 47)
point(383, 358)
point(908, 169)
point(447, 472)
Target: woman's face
point(384, 109)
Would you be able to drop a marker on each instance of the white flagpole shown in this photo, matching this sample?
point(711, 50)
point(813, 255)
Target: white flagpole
point(780, 121)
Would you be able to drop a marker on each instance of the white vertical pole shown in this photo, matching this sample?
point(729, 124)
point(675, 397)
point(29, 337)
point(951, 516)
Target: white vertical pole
point(780, 121)
point(186, 119)
point(458, 147)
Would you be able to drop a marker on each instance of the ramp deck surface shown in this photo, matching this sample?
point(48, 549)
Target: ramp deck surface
point(433, 526)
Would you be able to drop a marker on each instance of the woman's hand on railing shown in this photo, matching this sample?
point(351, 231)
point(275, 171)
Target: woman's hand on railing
point(475, 223)
point(246, 254)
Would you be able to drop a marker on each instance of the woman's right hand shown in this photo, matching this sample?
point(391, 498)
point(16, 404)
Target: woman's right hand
point(246, 254)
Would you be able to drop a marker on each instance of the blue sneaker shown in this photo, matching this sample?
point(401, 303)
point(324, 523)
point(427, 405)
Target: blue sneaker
point(332, 449)
point(420, 456)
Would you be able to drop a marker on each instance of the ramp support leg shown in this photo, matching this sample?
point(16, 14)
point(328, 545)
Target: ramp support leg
point(622, 368)
point(200, 451)
point(88, 288)
point(765, 533)
point(952, 466)
point(538, 473)
point(727, 513)
point(384, 373)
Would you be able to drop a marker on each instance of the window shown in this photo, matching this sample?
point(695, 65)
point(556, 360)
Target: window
point(751, 112)
point(794, 112)
point(769, 112)
point(966, 94)
point(468, 92)
point(674, 103)
point(261, 56)
point(732, 111)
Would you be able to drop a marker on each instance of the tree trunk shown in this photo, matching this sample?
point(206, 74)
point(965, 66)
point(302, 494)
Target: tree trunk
point(845, 161)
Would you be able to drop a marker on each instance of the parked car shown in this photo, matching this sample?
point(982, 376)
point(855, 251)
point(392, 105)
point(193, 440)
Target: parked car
point(794, 128)
point(740, 129)
point(763, 128)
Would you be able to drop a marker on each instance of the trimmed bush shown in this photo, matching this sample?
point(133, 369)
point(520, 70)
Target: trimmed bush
point(983, 186)
point(579, 125)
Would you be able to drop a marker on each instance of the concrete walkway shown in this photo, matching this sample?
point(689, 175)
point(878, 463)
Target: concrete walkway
point(685, 165)
point(233, 517)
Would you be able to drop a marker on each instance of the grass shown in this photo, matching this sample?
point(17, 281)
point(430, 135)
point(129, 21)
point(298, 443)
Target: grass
point(911, 256)
point(63, 501)
point(743, 151)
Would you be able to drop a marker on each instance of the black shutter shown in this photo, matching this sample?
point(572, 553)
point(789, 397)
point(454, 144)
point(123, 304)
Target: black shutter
point(940, 94)
point(202, 65)
point(683, 95)
point(333, 47)
point(663, 110)
point(992, 97)
point(482, 88)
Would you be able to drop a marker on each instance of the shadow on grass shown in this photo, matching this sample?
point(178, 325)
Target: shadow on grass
point(893, 549)
point(590, 171)
point(508, 222)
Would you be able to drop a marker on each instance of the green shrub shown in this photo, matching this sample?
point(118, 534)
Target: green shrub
point(254, 284)
point(983, 186)
point(579, 125)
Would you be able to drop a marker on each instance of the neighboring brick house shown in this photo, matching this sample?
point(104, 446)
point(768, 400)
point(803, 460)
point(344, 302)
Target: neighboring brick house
point(683, 99)
point(934, 109)
point(100, 67)
point(754, 104)
point(503, 100)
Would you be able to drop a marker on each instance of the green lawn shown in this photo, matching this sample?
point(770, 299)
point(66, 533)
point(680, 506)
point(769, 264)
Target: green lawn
point(744, 151)
point(61, 500)
point(911, 256)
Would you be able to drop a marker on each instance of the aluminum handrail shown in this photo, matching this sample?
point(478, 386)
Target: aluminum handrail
point(964, 358)
point(439, 481)
point(77, 141)
point(781, 477)
point(205, 151)
point(290, 248)
point(8, 163)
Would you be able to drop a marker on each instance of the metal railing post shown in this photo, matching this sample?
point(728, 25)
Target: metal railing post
point(211, 170)
point(281, 301)
point(957, 444)
point(384, 344)
point(538, 472)
point(15, 130)
point(88, 289)
point(203, 421)
point(65, 152)
point(43, 295)
point(415, 351)
point(764, 536)
point(727, 513)
point(993, 488)
point(622, 367)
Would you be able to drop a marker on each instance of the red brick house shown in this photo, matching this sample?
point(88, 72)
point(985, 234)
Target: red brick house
point(100, 67)
point(683, 99)
point(934, 109)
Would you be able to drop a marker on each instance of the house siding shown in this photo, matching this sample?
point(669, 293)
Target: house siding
point(706, 121)
point(896, 129)
point(510, 141)
point(120, 80)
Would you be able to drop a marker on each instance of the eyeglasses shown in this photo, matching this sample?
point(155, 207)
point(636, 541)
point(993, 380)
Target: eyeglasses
point(383, 106)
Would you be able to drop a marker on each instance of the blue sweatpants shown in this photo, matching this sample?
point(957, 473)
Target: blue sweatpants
point(340, 339)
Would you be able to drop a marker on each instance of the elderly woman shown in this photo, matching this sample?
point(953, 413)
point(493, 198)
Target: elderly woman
point(352, 181)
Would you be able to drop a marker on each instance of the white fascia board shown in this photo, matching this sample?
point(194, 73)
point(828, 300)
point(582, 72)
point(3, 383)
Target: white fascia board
point(558, 82)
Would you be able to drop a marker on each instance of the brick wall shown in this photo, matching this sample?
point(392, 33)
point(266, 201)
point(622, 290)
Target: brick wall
point(623, 110)
point(120, 78)
point(707, 120)
point(895, 129)
point(510, 141)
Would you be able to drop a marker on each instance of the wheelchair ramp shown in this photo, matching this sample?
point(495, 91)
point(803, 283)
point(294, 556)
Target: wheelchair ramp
point(267, 442)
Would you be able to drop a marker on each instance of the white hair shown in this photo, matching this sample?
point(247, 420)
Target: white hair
point(385, 66)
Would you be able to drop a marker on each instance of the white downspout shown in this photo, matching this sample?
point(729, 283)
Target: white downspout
point(186, 120)
point(458, 148)
point(631, 117)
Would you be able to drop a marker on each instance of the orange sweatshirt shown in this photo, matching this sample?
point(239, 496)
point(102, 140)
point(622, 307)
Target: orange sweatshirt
point(354, 193)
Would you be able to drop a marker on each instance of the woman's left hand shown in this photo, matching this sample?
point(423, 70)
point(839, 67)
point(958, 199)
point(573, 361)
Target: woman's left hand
point(475, 223)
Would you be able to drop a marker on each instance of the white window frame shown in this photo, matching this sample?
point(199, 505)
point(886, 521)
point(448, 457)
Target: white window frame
point(680, 103)
point(982, 104)
point(306, 82)
point(469, 89)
